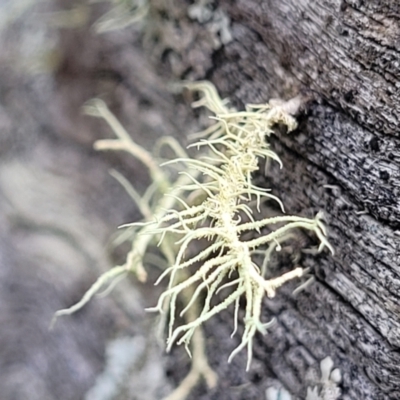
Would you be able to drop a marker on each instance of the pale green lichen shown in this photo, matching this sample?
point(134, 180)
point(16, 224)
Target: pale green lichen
point(326, 388)
point(123, 13)
point(210, 201)
point(236, 142)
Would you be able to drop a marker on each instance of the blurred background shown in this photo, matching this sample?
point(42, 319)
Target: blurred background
point(59, 207)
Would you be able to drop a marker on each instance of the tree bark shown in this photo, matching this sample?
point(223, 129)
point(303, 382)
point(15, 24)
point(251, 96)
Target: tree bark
point(343, 58)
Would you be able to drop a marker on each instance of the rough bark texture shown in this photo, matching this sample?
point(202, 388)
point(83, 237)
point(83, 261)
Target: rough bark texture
point(343, 57)
point(343, 159)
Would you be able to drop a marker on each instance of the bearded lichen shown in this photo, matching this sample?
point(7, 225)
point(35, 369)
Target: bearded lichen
point(213, 201)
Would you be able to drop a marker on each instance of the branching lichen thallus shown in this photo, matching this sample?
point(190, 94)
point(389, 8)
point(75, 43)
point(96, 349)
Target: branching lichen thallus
point(219, 211)
point(215, 199)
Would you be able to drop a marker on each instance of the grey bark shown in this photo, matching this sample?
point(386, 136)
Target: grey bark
point(343, 57)
point(343, 159)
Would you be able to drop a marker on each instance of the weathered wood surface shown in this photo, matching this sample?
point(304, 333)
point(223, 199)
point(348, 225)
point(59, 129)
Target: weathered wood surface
point(344, 159)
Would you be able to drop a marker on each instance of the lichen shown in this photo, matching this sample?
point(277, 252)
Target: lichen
point(211, 201)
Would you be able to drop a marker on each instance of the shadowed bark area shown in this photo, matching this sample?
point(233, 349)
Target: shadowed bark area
point(343, 58)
